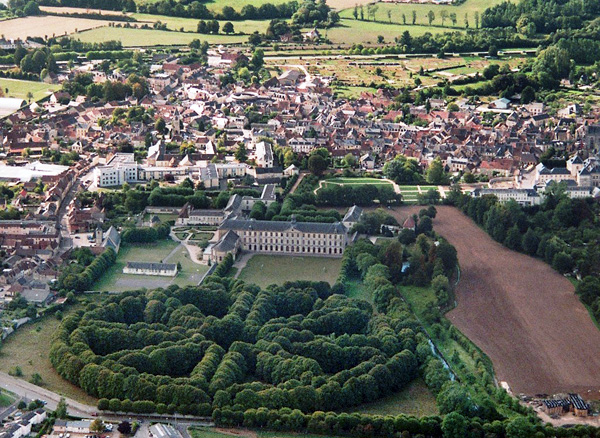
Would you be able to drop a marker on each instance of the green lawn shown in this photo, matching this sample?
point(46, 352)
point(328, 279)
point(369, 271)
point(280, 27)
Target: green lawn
point(19, 89)
point(115, 280)
point(397, 9)
point(6, 398)
point(151, 37)
point(355, 182)
point(191, 24)
point(415, 399)
point(264, 270)
point(28, 349)
point(356, 289)
point(355, 32)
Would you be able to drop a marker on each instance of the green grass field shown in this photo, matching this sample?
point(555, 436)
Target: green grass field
point(164, 217)
point(151, 37)
point(29, 346)
point(19, 89)
point(415, 399)
point(356, 289)
point(265, 270)
point(397, 9)
point(345, 92)
point(114, 279)
point(355, 32)
point(6, 398)
point(218, 5)
point(190, 24)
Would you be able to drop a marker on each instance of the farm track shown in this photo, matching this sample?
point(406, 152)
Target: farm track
point(520, 312)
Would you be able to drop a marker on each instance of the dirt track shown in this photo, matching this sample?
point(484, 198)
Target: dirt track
point(521, 313)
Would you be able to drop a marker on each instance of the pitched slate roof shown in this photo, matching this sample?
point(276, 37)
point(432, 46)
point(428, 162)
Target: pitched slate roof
point(303, 227)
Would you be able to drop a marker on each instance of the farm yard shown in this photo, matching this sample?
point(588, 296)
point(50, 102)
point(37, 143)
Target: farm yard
point(165, 251)
point(47, 26)
point(151, 37)
point(19, 89)
point(265, 270)
point(520, 312)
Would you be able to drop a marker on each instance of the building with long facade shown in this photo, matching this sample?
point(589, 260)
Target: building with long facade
point(285, 238)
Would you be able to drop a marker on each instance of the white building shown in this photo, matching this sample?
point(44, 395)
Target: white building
point(120, 169)
point(264, 154)
point(158, 269)
point(521, 196)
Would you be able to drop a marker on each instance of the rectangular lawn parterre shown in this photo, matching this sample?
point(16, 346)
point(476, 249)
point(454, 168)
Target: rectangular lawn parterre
point(265, 270)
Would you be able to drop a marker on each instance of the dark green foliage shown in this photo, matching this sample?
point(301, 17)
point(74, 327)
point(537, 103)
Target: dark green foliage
point(226, 344)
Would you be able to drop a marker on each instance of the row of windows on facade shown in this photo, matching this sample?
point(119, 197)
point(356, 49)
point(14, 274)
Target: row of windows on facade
point(295, 249)
point(305, 236)
point(285, 241)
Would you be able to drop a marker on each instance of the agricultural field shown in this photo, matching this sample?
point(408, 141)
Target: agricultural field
point(265, 270)
point(191, 24)
point(416, 399)
point(396, 10)
point(366, 32)
point(28, 349)
point(150, 37)
point(19, 89)
point(512, 306)
point(47, 26)
point(165, 251)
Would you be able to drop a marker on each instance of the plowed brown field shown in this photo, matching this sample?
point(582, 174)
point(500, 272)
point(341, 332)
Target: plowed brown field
point(520, 312)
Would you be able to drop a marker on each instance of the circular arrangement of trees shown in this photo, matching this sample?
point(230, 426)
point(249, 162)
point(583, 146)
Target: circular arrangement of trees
point(227, 344)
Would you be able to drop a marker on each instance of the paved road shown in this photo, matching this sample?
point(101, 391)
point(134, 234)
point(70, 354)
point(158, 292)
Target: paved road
point(77, 409)
point(31, 391)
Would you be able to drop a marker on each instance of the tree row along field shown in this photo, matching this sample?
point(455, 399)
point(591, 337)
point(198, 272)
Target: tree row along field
point(524, 315)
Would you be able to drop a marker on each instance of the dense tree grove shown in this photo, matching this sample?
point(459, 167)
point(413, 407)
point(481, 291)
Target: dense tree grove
point(363, 195)
point(229, 345)
point(534, 16)
point(564, 232)
point(80, 276)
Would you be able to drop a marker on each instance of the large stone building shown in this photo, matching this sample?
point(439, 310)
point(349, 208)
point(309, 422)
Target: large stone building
point(285, 238)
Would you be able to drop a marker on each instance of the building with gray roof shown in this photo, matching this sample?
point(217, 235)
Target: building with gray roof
point(285, 238)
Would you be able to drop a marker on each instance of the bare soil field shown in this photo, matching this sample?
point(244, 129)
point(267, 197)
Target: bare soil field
point(46, 26)
point(520, 312)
